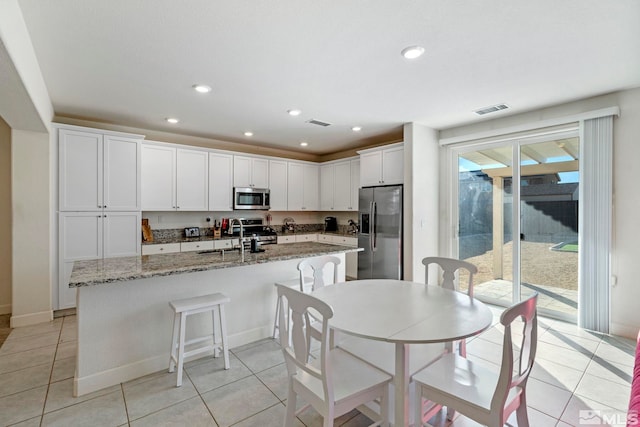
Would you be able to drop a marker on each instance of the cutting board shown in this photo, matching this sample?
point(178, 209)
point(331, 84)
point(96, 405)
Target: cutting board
point(147, 234)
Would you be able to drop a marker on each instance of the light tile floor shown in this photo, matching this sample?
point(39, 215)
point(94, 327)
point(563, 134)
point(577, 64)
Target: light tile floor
point(575, 370)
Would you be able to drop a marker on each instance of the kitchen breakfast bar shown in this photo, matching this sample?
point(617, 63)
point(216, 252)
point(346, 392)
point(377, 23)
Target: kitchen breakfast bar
point(124, 319)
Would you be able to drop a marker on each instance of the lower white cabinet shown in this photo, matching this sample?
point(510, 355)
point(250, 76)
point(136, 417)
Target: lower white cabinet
point(93, 235)
point(286, 239)
point(201, 245)
point(306, 238)
point(206, 245)
point(160, 248)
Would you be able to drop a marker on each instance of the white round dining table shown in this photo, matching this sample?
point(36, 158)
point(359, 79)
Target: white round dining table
point(403, 313)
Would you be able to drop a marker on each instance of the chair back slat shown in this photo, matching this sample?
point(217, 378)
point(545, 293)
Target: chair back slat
point(295, 336)
point(507, 380)
point(450, 267)
point(317, 265)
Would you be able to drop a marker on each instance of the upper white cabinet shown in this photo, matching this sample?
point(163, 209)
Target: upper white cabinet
point(303, 187)
point(327, 180)
point(98, 171)
point(339, 183)
point(278, 185)
point(355, 185)
point(382, 166)
point(220, 182)
point(192, 182)
point(174, 178)
point(250, 172)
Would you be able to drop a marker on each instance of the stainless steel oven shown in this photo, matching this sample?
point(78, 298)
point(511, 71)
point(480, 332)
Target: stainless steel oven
point(251, 198)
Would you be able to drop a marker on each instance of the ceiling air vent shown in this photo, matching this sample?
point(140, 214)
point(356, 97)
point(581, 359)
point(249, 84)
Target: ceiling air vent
point(491, 109)
point(318, 122)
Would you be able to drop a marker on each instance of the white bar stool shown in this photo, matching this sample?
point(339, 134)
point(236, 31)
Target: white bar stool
point(186, 307)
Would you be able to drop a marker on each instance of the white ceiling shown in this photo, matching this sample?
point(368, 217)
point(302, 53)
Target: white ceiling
point(133, 62)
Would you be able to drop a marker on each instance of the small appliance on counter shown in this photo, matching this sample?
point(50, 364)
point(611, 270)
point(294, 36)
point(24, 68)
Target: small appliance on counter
point(288, 224)
point(330, 224)
point(192, 232)
point(255, 245)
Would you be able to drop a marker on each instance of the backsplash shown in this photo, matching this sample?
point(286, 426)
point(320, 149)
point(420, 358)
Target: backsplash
point(176, 234)
point(180, 220)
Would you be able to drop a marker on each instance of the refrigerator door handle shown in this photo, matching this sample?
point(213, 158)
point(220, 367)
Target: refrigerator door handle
point(374, 225)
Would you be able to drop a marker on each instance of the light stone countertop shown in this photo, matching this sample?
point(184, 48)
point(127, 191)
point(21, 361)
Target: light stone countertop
point(96, 272)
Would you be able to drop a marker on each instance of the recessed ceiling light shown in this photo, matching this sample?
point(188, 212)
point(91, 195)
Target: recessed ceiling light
point(172, 120)
point(248, 133)
point(304, 144)
point(294, 112)
point(202, 88)
point(412, 52)
point(356, 128)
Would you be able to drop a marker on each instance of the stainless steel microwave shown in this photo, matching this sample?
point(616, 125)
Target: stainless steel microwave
point(251, 198)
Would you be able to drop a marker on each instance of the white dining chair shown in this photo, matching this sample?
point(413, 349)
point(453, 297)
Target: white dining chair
point(334, 382)
point(306, 282)
point(450, 267)
point(478, 392)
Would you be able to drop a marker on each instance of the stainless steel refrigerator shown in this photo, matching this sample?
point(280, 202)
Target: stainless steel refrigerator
point(380, 233)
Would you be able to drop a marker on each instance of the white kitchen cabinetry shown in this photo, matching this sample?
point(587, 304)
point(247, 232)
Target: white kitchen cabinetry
point(306, 238)
point(160, 248)
point(355, 185)
point(327, 182)
point(202, 245)
point(382, 166)
point(174, 178)
point(278, 185)
point(98, 171)
point(192, 180)
point(220, 182)
point(339, 184)
point(206, 245)
point(286, 239)
point(93, 235)
point(250, 172)
point(303, 187)
point(158, 177)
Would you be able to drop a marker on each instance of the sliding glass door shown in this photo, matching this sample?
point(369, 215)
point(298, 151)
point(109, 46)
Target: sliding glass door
point(524, 237)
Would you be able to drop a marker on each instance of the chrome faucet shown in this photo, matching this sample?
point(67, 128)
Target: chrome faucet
point(239, 221)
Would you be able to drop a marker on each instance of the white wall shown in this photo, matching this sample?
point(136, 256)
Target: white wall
point(5, 217)
point(625, 295)
point(31, 202)
point(421, 202)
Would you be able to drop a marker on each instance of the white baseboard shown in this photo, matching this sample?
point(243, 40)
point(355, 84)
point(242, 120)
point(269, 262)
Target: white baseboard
point(110, 377)
point(31, 318)
point(5, 309)
point(626, 331)
point(104, 379)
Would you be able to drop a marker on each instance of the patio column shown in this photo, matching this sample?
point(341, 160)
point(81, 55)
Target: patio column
point(498, 225)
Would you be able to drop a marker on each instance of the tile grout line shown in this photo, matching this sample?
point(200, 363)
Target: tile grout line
point(53, 363)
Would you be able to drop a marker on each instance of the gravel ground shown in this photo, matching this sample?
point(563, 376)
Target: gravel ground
point(540, 266)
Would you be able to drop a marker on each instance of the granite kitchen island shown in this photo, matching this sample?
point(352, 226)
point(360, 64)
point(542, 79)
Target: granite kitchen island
point(124, 319)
